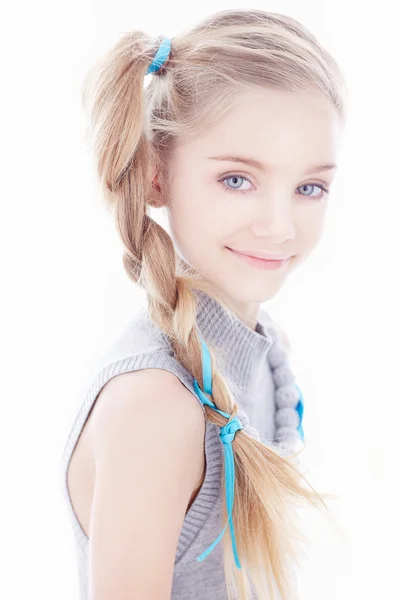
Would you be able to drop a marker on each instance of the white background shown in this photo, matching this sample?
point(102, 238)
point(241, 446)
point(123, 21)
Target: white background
point(66, 294)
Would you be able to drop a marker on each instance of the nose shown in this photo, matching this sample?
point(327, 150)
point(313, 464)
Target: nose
point(273, 217)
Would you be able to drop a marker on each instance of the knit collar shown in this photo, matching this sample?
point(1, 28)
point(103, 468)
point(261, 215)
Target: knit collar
point(240, 351)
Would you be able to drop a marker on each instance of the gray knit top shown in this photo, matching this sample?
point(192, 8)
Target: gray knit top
point(258, 373)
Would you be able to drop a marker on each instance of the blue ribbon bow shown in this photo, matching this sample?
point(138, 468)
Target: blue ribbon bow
point(227, 435)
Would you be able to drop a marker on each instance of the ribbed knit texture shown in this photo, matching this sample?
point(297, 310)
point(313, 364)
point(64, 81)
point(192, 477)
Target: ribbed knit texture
point(242, 357)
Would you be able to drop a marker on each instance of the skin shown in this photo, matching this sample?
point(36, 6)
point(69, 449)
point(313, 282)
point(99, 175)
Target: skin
point(281, 210)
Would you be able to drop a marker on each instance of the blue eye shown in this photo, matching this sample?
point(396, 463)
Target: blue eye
point(318, 185)
point(234, 189)
point(236, 176)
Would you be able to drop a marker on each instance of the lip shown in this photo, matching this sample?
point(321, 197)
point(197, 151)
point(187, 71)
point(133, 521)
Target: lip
point(260, 255)
point(260, 263)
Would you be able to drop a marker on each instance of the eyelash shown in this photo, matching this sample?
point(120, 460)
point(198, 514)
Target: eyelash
point(228, 189)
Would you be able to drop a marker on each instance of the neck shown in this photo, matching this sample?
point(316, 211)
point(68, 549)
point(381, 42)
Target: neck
point(247, 312)
point(240, 350)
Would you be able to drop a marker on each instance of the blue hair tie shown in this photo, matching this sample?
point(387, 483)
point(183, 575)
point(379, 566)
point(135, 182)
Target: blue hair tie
point(227, 435)
point(161, 55)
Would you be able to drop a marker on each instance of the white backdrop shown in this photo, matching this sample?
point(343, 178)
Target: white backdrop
point(69, 296)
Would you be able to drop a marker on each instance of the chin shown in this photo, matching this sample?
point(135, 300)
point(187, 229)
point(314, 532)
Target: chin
point(256, 292)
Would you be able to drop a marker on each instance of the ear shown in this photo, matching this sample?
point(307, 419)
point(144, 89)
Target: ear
point(156, 199)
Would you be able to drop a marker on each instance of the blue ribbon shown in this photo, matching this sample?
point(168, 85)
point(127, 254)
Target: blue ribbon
point(227, 435)
point(300, 410)
point(161, 55)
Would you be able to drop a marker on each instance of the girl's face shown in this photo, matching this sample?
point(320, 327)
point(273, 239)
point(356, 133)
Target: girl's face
point(276, 206)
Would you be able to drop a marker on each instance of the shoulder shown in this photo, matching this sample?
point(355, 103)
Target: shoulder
point(149, 401)
point(138, 336)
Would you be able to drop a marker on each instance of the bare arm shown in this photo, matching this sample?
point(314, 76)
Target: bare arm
point(148, 445)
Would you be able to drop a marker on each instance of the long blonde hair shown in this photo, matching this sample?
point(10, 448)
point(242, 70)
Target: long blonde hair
point(134, 128)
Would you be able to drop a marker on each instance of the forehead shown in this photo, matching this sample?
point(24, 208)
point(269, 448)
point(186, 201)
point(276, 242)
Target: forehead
point(283, 129)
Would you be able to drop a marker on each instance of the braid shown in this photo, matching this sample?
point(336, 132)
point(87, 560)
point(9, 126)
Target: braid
point(172, 306)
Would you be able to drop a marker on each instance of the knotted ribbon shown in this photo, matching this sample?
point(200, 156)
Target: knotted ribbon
point(227, 435)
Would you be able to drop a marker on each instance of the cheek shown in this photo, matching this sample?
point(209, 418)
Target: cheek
point(196, 220)
point(310, 224)
point(190, 230)
point(189, 223)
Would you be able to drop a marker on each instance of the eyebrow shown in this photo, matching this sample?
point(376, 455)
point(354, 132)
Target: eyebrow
point(267, 168)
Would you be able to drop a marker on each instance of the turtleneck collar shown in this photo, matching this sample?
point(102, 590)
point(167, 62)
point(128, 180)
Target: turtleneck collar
point(240, 351)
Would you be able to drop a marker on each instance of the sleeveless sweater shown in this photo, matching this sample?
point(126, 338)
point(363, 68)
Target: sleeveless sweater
point(241, 357)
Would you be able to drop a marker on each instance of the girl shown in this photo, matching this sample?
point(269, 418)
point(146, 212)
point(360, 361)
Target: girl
point(192, 422)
